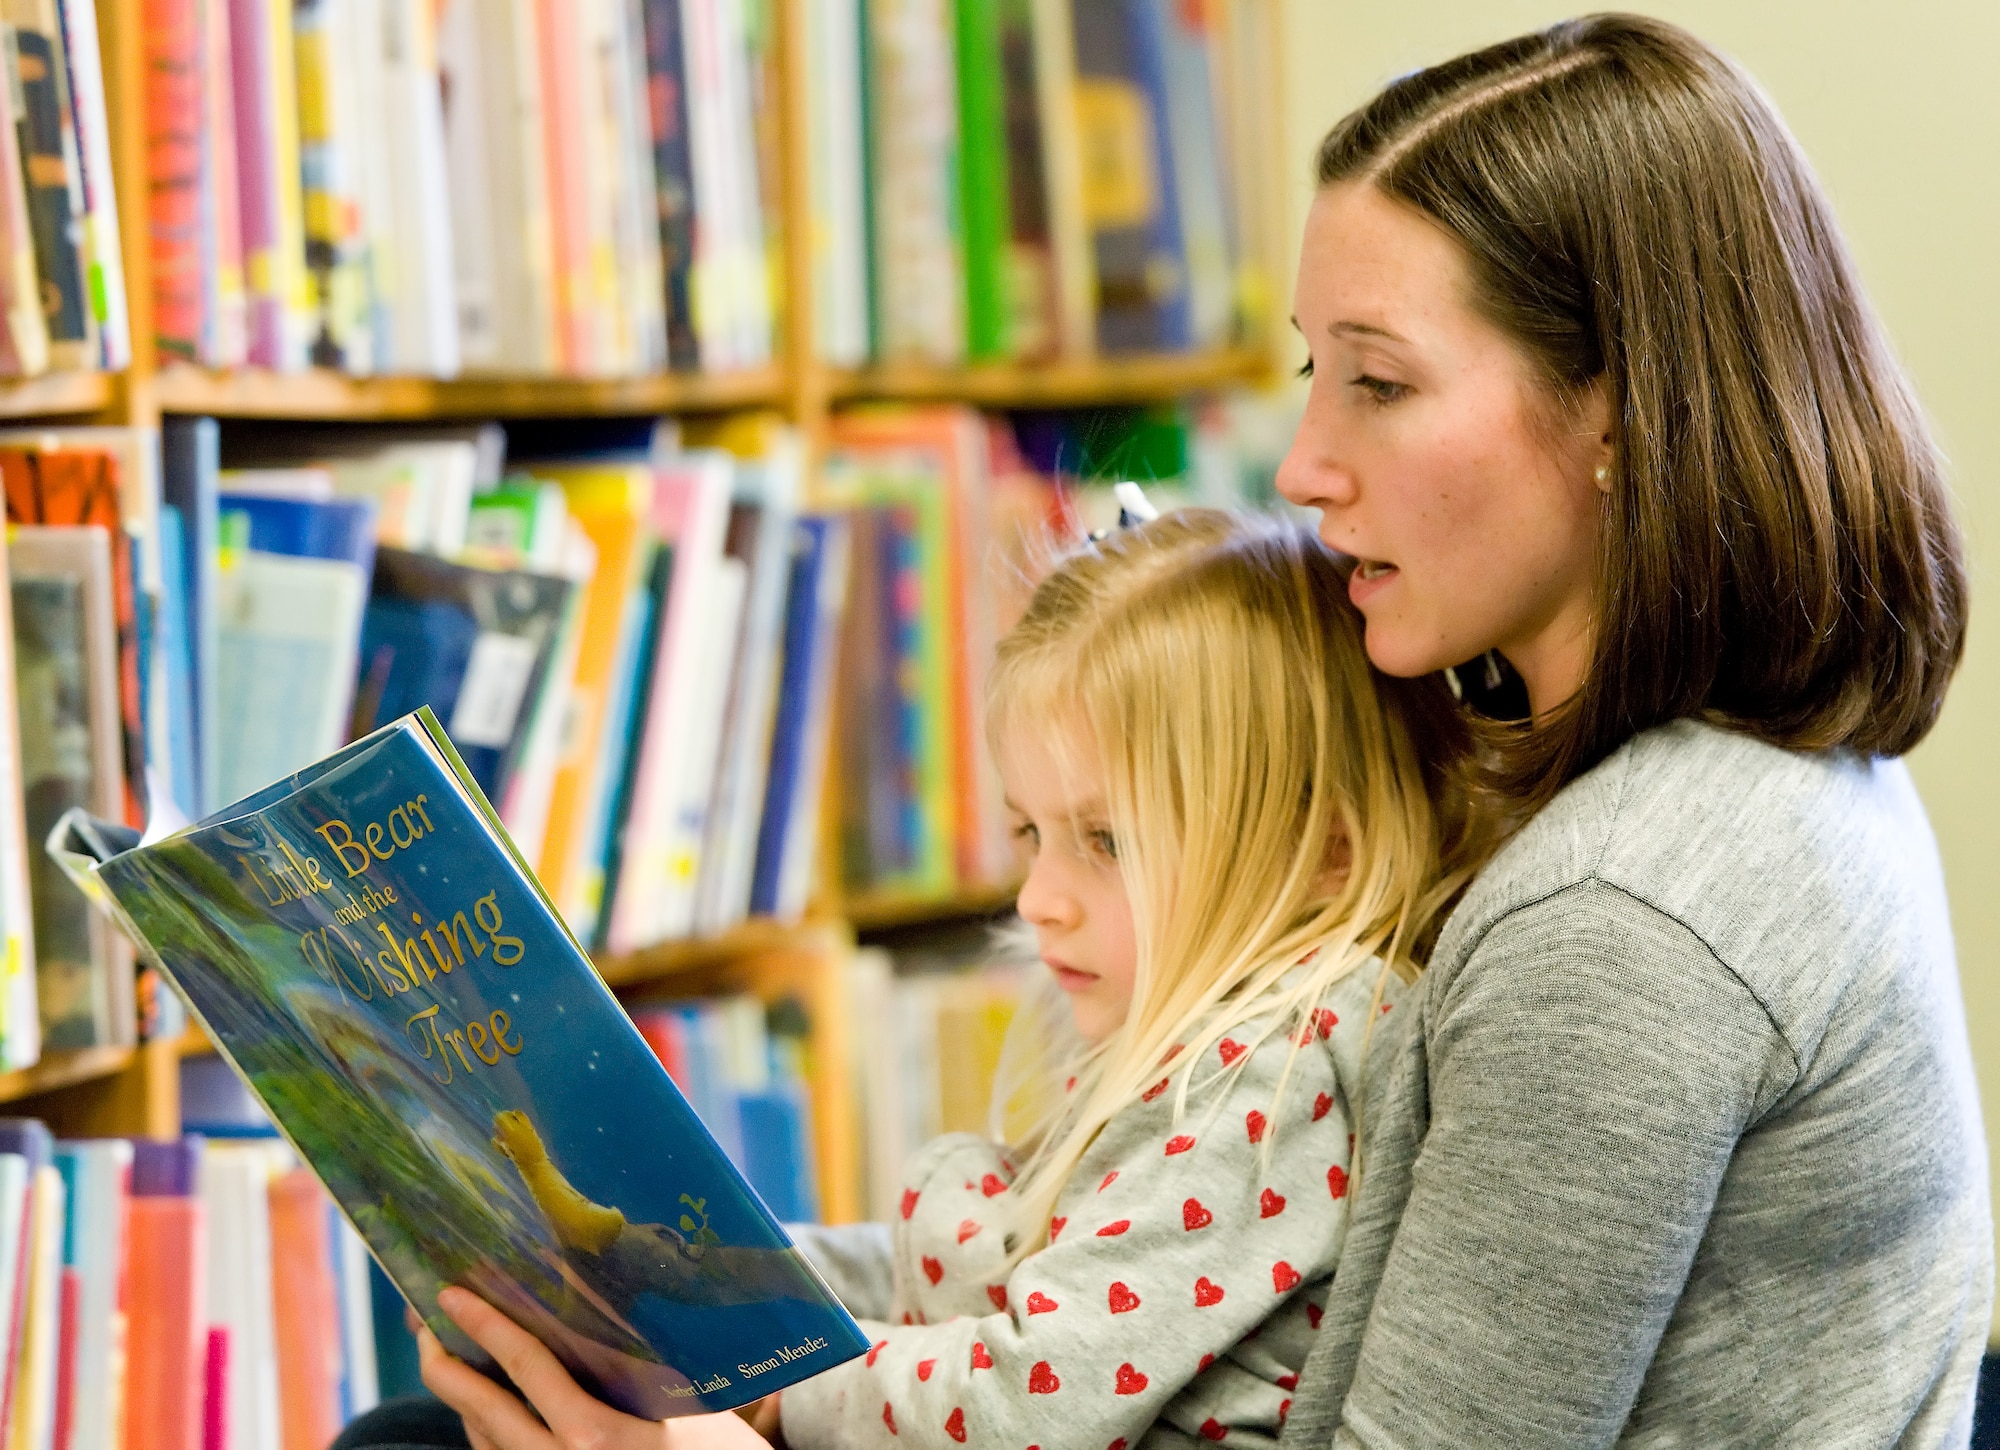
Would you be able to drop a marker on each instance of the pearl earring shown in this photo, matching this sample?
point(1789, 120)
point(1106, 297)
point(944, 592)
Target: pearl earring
point(1603, 473)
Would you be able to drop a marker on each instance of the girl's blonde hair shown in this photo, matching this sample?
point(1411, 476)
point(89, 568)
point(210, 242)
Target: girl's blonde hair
point(1268, 793)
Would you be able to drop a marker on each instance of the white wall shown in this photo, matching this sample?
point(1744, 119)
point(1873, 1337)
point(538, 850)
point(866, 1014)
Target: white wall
point(1899, 108)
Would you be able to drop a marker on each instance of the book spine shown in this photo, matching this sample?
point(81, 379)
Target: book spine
point(568, 207)
point(308, 1313)
point(330, 205)
point(983, 184)
point(52, 212)
point(667, 114)
point(167, 1363)
point(225, 337)
point(93, 133)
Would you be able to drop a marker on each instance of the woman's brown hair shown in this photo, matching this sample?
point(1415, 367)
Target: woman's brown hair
point(1779, 553)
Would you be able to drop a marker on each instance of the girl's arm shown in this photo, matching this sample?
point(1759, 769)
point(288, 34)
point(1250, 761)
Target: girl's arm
point(1590, 1072)
point(1172, 1242)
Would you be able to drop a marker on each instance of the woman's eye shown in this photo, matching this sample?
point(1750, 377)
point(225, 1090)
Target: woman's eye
point(1380, 390)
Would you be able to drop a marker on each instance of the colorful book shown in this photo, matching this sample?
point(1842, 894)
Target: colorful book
point(104, 250)
point(26, 335)
point(97, 1173)
point(190, 457)
point(167, 1354)
point(673, 190)
point(308, 1312)
point(658, 1279)
point(984, 181)
point(47, 133)
point(264, 85)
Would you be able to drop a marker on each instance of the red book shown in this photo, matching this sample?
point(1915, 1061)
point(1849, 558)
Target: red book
point(72, 1301)
point(166, 1361)
point(215, 1404)
point(308, 1313)
point(173, 110)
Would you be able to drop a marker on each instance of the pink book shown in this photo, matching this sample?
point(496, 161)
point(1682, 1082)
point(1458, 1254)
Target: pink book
point(215, 1392)
point(259, 191)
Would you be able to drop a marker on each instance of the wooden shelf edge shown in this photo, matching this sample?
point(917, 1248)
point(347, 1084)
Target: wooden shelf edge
point(884, 911)
point(321, 395)
point(56, 395)
point(1138, 378)
point(667, 959)
point(61, 1069)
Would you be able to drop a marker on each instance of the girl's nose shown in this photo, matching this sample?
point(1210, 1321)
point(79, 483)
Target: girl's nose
point(1042, 902)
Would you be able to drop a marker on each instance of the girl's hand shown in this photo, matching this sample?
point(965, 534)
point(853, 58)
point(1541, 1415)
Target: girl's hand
point(570, 1415)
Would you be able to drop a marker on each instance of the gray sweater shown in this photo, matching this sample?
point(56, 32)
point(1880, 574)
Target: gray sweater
point(1679, 1144)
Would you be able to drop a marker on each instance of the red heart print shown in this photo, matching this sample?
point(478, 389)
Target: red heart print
point(1206, 1361)
point(1387, 1005)
point(1040, 1303)
point(889, 1417)
point(955, 1426)
point(1154, 1091)
point(1131, 1381)
point(907, 1319)
point(1179, 1144)
point(1194, 1216)
point(1042, 1380)
point(1112, 1230)
point(1284, 1278)
point(1336, 1181)
point(1327, 1021)
point(1109, 1179)
point(1118, 1444)
point(1269, 1206)
point(1229, 1050)
point(1123, 1300)
point(933, 1270)
point(1322, 1105)
point(1070, 1086)
point(1254, 1122)
point(1056, 1227)
point(924, 1368)
point(874, 1349)
point(967, 1229)
point(1212, 1429)
point(1288, 1381)
point(980, 1358)
point(998, 1294)
point(909, 1201)
point(1284, 1409)
point(991, 1184)
point(1313, 1315)
point(1207, 1293)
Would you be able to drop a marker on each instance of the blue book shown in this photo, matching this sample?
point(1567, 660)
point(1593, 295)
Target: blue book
point(369, 951)
point(788, 831)
point(332, 528)
point(190, 459)
point(1142, 273)
point(177, 650)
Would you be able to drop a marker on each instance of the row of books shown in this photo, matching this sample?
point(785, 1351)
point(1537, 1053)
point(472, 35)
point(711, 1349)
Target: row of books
point(62, 281)
point(1022, 178)
point(400, 186)
point(176, 1296)
point(928, 1059)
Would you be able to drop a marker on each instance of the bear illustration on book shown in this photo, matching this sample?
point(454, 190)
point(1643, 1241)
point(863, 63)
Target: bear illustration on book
point(620, 1261)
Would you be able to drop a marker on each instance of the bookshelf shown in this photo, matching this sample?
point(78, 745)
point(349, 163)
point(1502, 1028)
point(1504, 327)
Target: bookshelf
point(135, 1090)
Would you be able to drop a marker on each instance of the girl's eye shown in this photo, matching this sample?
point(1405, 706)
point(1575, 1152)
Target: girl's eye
point(1306, 368)
point(1104, 843)
point(1028, 834)
point(1380, 390)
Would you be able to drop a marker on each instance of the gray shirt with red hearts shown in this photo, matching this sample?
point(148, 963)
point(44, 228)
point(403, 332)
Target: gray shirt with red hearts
point(1186, 1270)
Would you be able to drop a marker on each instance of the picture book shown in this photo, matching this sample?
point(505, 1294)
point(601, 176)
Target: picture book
point(372, 955)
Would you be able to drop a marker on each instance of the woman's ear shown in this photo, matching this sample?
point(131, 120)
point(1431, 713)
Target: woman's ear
point(1593, 432)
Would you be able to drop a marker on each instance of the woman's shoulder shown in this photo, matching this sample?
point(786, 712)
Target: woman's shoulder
point(1793, 870)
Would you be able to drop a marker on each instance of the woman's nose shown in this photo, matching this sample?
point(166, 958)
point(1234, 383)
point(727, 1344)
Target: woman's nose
point(1311, 474)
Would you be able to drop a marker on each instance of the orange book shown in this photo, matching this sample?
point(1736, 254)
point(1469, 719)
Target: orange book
point(569, 205)
point(166, 1351)
point(308, 1312)
point(80, 486)
point(609, 503)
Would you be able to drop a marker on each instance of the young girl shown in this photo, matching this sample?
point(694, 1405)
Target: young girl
point(1233, 854)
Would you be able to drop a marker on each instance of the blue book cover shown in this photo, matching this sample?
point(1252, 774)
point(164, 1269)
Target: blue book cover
point(1142, 281)
point(176, 649)
point(332, 528)
point(372, 955)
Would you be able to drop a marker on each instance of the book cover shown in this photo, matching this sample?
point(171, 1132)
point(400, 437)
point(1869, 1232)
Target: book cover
point(106, 278)
point(367, 949)
point(66, 693)
point(190, 453)
point(1130, 194)
point(55, 194)
point(328, 163)
point(27, 331)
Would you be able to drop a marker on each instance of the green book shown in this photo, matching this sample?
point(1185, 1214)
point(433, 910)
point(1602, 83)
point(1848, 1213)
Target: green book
point(982, 166)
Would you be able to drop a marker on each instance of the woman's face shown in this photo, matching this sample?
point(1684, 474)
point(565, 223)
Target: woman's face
point(1468, 499)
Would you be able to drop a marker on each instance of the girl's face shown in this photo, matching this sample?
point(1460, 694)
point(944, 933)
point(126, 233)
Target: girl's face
point(1428, 448)
point(1073, 894)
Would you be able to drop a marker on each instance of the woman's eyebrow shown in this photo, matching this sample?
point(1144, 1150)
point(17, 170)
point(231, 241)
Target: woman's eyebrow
point(1364, 329)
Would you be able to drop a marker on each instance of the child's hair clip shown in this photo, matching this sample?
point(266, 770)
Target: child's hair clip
point(1133, 508)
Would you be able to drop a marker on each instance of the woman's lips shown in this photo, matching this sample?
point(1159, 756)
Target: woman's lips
point(1370, 577)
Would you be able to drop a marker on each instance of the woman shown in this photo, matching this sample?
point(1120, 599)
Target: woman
point(1679, 1143)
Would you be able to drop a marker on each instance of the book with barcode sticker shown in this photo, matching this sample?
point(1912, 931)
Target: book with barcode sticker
point(374, 958)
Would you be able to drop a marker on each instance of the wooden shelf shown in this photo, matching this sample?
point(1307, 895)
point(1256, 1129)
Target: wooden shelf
point(61, 1069)
point(56, 395)
point(885, 911)
point(760, 934)
point(1141, 378)
point(333, 396)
